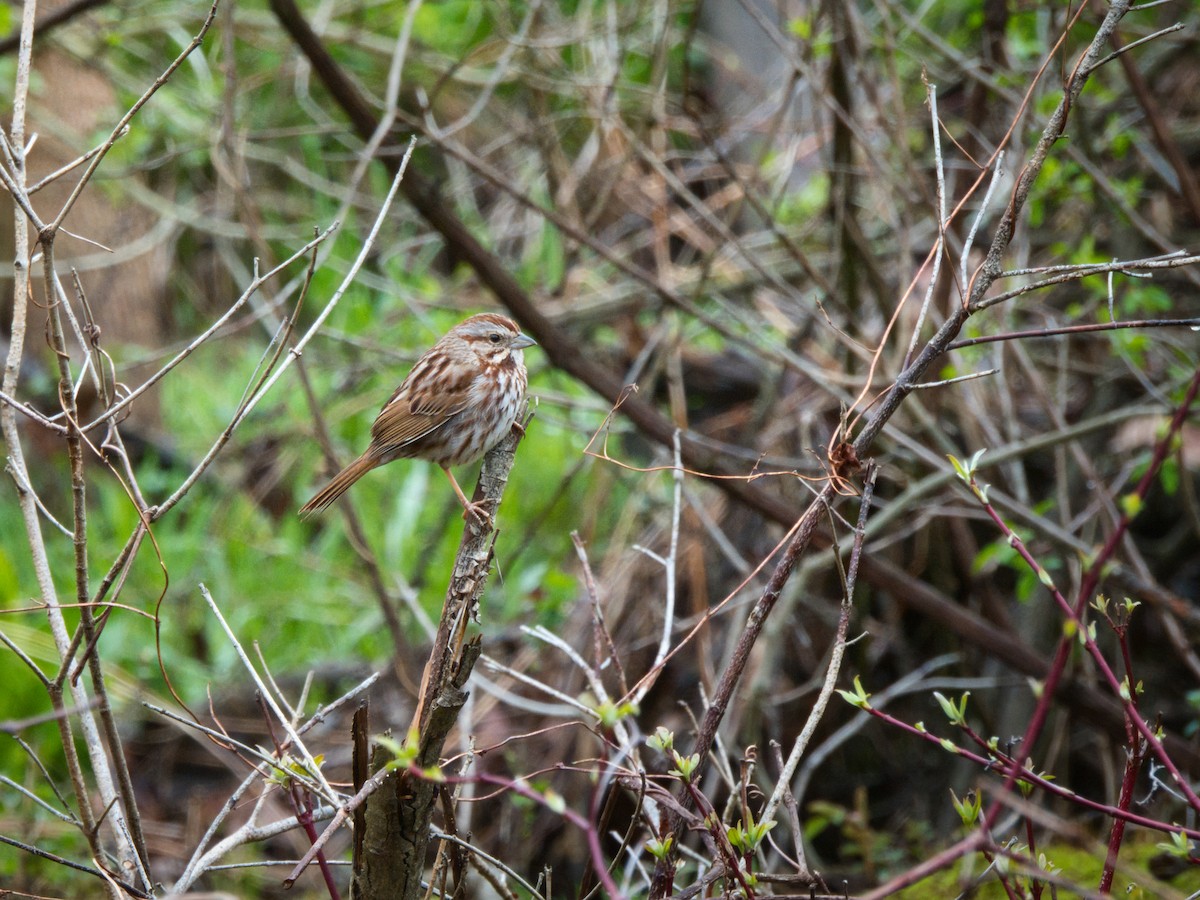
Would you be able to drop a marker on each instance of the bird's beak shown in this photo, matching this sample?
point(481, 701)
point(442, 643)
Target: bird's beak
point(521, 341)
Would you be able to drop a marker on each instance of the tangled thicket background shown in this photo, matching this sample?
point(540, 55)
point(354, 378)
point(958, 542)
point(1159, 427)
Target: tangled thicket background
point(746, 210)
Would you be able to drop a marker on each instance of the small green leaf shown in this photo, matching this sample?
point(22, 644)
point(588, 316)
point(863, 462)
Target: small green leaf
point(736, 838)
point(1131, 505)
point(858, 697)
point(685, 766)
point(1168, 476)
point(403, 755)
point(607, 715)
point(959, 469)
point(662, 740)
point(968, 808)
point(659, 849)
point(1044, 578)
point(1179, 846)
point(946, 705)
point(955, 712)
point(966, 471)
point(389, 743)
point(759, 830)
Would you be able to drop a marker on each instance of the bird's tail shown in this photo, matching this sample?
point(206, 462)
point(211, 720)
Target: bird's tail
point(338, 485)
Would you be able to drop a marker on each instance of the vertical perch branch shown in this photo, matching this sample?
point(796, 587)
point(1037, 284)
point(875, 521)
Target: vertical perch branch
point(390, 853)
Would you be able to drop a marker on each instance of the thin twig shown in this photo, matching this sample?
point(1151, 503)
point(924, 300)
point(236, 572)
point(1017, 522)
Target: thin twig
point(59, 860)
point(939, 246)
point(311, 765)
point(122, 126)
point(833, 669)
point(1035, 333)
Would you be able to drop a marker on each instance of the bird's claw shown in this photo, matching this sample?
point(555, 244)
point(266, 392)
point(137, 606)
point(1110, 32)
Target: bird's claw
point(479, 514)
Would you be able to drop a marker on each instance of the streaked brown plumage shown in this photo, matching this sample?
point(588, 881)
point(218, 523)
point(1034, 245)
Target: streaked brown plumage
point(458, 401)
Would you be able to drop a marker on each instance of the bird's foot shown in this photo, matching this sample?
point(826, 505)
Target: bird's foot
point(477, 512)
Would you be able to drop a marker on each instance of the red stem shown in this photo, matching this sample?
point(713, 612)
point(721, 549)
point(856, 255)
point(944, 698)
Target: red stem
point(1087, 589)
point(1133, 765)
point(1008, 765)
point(300, 800)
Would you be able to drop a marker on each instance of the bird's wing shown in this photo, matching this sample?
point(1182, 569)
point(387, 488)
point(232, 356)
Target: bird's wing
point(410, 415)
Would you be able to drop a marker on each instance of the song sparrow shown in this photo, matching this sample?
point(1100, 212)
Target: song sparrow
point(458, 401)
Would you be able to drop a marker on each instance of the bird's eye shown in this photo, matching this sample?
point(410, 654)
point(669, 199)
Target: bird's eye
point(494, 337)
